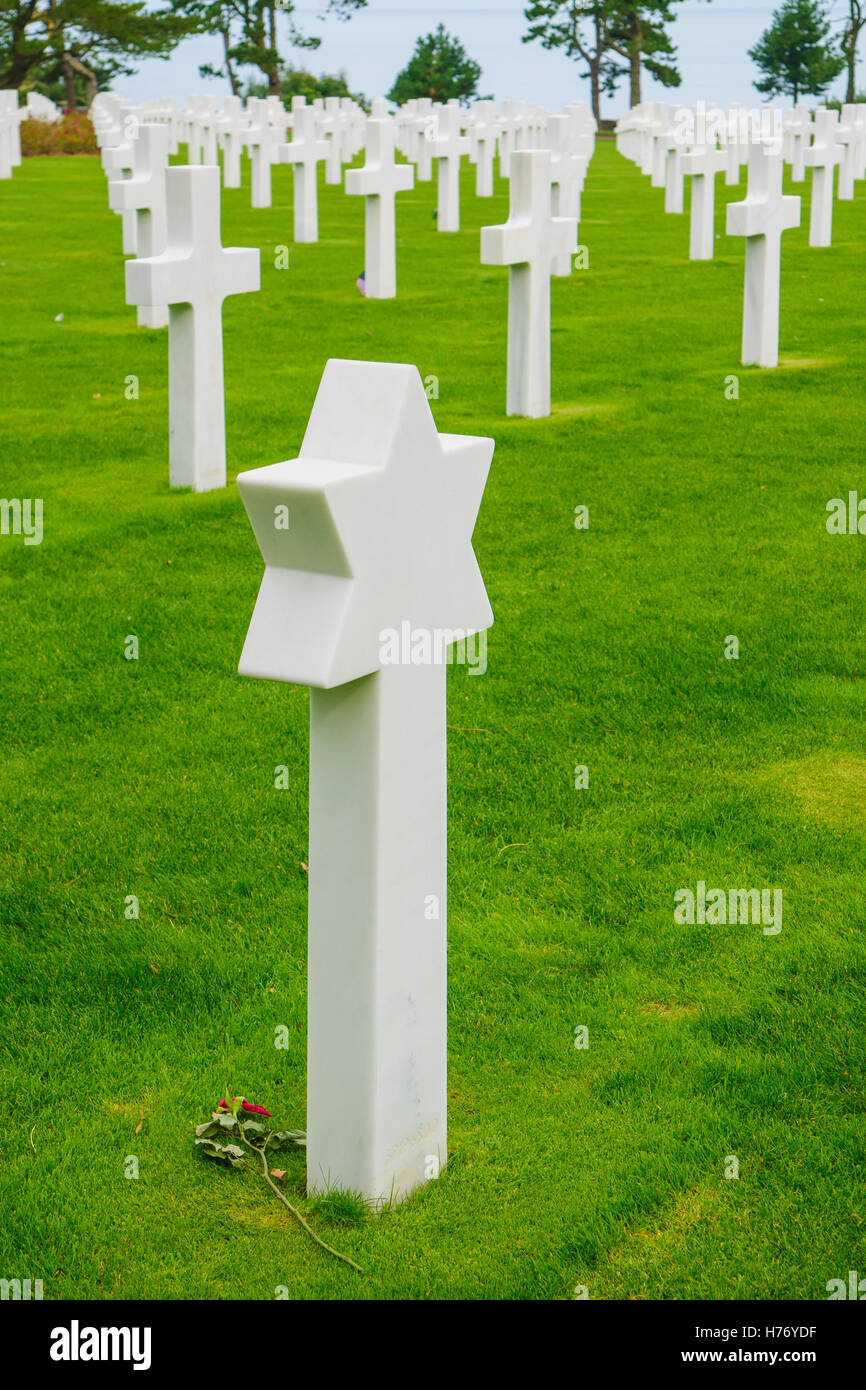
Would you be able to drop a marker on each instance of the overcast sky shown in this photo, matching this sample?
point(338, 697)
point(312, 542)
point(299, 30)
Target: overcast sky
point(376, 43)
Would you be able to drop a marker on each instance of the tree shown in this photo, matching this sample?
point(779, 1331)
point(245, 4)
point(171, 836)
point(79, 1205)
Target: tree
point(84, 42)
point(854, 25)
point(248, 30)
point(796, 54)
point(637, 32)
point(581, 28)
point(297, 82)
point(439, 68)
point(64, 85)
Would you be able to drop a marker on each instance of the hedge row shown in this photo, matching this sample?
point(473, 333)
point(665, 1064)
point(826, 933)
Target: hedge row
point(72, 134)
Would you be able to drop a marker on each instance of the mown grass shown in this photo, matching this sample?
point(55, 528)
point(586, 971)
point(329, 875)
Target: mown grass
point(602, 1167)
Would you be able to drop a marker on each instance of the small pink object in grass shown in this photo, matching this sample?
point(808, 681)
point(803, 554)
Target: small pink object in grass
point(361, 283)
point(248, 1107)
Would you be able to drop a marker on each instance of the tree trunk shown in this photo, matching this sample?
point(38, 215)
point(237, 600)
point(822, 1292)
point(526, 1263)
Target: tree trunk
point(595, 67)
point(594, 75)
point(274, 86)
point(69, 81)
point(849, 46)
point(91, 83)
point(636, 47)
point(230, 72)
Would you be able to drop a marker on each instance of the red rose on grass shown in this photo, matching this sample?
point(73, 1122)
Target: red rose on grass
point(247, 1106)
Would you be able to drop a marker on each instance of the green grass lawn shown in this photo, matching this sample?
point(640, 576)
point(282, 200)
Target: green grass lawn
point(602, 1167)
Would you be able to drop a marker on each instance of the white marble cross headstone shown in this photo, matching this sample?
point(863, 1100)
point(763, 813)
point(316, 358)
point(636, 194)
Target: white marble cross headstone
point(567, 174)
point(762, 218)
point(404, 120)
point(12, 116)
point(7, 119)
point(858, 116)
point(680, 133)
point(145, 193)
point(200, 135)
point(482, 138)
point(799, 126)
point(848, 136)
point(736, 118)
point(447, 147)
point(193, 276)
point(380, 512)
point(332, 132)
point(118, 162)
point(424, 131)
point(380, 180)
point(262, 140)
point(208, 130)
point(703, 163)
point(304, 153)
point(822, 158)
point(660, 125)
point(528, 243)
point(509, 123)
point(231, 126)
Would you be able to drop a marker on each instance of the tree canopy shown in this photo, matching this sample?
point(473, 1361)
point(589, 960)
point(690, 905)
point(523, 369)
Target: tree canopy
point(298, 82)
point(581, 29)
point(796, 55)
point(599, 32)
point(250, 38)
point(85, 40)
point(854, 26)
point(439, 68)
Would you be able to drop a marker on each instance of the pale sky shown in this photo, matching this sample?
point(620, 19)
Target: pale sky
point(376, 43)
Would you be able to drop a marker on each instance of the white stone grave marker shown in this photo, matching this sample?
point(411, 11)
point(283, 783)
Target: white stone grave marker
point(822, 158)
point(380, 513)
point(145, 193)
point(528, 243)
point(447, 147)
point(761, 218)
point(231, 126)
point(262, 141)
point(848, 136)
point(193, 276)
point(380, 180)
point(567, 174)
point(332, 132)
point(424, 130)
point(118, 162)
point(304, 154)
point(703, 163)
point(483, 134)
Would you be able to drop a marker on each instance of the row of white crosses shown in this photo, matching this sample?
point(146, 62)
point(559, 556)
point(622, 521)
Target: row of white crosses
point(670, 143)
point(536, 242)
point(332, 132)
point(569, 144)
point(333, 126)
